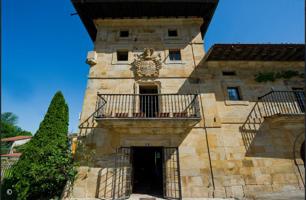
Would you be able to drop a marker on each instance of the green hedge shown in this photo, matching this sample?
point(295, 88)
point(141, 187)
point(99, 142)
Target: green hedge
point(46, 162)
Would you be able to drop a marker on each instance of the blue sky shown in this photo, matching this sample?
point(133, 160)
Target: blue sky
point(44, 48)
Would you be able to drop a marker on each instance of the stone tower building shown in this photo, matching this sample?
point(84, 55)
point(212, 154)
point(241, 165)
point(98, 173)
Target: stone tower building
point(163, 118)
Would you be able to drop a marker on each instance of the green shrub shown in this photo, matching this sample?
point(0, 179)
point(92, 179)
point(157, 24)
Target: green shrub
point(264, 77)
point(289, 74)
point(46, 162)
point(271, 76)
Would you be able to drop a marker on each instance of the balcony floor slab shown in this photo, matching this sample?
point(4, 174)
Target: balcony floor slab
point(148, 122)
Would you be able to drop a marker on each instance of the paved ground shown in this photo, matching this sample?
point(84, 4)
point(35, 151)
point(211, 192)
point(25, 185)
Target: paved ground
point(287, 195)
point(138, 196)
point(148, 197)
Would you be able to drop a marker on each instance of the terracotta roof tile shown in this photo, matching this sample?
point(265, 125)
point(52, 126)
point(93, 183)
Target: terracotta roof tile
point(11, 155)
point(256, 52)
point(11, 139)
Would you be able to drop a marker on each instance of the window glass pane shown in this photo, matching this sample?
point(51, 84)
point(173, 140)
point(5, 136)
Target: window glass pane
point(233, 93)
point(124, 33)
point(172, 33)
point(175, 55)
point(229, 73)
point(122, 55)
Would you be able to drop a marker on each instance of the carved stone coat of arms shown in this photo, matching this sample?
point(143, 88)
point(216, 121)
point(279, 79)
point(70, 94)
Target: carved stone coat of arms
point(147, 64)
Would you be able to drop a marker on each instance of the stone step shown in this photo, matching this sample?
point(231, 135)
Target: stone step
point(147, 198)
point(144, 197)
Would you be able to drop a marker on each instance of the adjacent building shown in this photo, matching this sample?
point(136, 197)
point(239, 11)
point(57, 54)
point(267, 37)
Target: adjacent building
point(10, 153)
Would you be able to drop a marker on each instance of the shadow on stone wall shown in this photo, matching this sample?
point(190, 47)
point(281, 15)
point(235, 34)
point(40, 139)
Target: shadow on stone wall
point(192, 85)
point(105, 183)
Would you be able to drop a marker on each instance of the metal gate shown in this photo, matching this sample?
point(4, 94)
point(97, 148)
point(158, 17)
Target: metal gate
point(171, 167)
point(122, 188)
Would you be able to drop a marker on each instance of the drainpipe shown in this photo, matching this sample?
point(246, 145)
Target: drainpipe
point(194, 62)
point(208, 150)
point(210, 165)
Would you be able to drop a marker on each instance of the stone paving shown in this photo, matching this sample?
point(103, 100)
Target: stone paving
point(149, 197)
point(286, 195)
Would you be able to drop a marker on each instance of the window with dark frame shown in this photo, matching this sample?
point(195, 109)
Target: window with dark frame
point(172, 33)
point(233, 93)
point(124, 34)
point(122, 55)
point(175, 55)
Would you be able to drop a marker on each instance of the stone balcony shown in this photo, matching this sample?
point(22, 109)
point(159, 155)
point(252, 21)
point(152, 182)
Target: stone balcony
point(148, 110)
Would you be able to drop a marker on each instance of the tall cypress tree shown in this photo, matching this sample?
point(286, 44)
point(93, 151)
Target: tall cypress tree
point(46, 163)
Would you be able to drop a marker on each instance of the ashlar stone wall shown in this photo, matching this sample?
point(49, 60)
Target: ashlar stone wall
point(214, 158)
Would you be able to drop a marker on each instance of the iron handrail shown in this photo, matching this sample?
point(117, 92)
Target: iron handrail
point(278, 102)
point(250, 113)
point(93, 114)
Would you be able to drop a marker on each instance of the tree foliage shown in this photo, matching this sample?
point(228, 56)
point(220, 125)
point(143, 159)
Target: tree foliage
point(9, 127)
point(9, 118)
point(46, 162)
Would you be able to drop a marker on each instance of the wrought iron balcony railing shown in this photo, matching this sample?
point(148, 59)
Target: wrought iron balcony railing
point(276, 103)
point(283, 102)
point(147, 106)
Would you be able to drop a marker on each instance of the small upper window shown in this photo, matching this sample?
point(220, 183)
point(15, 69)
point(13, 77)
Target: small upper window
point(124, 34)
point(122, 55)
point(229, 73)
point(175, 55)
point(172, 33)
point(233, 94)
